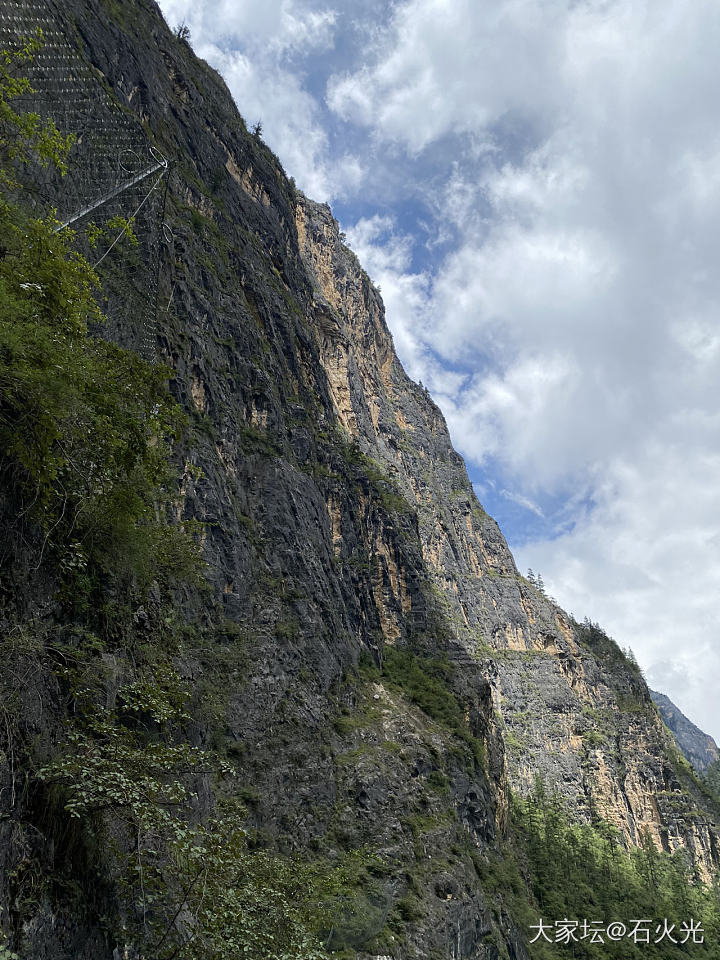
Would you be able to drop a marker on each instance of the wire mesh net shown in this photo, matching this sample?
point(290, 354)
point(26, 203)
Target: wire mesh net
point(112, 196)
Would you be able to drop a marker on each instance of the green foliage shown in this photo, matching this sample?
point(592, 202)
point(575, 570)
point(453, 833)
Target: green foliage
point(427, 683)
point(86, 433)
point(109, 768)
point(201, 890)
point(83, 423)
point(593, 637)
point(117, 226)
point(688, 776)
point(85, 427)
point(514, 743)
point(581, 871)
point(287, 629)
point(160, 695)
point(536, 580)
point(241, 903)
point(360, 905)
point(257, 441)
point(711, 779)
point(85, 439)
point(593, 739)
point(438, 781)
point(112, 759)
point(382, 487)
point(420, 823)
point(25, 136)
point(408, 909)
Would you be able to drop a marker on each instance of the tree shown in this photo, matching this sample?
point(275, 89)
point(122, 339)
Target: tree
point(25, 136)
point(85, 427)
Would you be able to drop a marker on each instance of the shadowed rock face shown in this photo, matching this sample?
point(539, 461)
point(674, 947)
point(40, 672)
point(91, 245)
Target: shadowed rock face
point(698, 747)
point(339, 521)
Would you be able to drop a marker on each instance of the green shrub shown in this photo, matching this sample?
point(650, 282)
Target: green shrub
point(85, 426)
point(425, 682)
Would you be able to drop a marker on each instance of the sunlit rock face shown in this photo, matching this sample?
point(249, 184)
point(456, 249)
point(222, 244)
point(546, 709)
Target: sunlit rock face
point(572, 708)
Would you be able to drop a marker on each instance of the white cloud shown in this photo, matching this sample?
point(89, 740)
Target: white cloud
point(525, 502)
point(645, 563)
point(276, 25)
point(385, 253)
point(441, 70)
point(582, 296)
point(290, 122)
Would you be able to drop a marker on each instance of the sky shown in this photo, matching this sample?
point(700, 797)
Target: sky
point(535, 186)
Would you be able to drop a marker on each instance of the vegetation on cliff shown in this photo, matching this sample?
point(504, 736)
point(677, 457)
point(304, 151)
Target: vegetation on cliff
point(582, 872)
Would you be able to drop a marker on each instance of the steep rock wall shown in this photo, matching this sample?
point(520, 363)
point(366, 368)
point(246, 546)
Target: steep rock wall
point(576, 715)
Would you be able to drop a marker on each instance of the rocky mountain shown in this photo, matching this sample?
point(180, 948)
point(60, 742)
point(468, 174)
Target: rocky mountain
point(572, 708)
point(363, 675)
point(698, 748)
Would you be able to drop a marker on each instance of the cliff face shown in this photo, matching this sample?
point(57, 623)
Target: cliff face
point(338, 523)
point(572, 709)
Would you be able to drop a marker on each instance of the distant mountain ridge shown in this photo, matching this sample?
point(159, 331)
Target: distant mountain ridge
point(698, 747)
